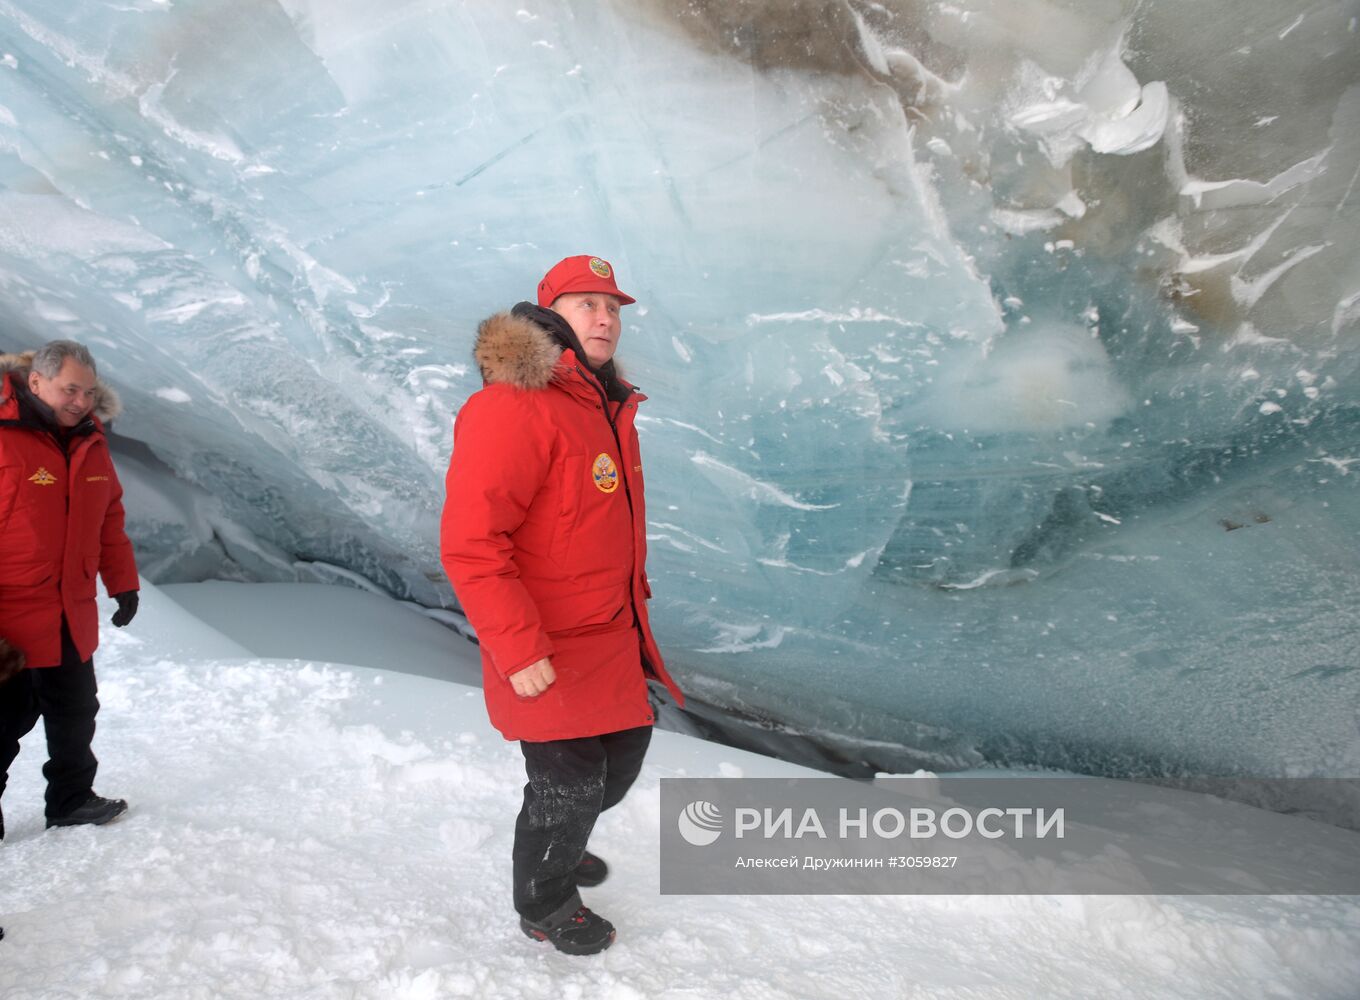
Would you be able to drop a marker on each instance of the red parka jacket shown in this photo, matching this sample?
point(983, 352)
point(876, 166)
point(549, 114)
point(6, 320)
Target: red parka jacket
point(61, 522)
point(544, 537)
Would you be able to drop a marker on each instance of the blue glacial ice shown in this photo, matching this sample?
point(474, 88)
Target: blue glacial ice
point(1001, 357)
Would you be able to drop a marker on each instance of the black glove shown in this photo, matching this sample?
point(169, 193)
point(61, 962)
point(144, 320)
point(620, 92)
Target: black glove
point(127, 607)
point(11, 660)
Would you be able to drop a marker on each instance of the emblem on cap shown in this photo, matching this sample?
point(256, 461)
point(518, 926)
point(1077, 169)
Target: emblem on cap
point(600, 267)
point(605, 473)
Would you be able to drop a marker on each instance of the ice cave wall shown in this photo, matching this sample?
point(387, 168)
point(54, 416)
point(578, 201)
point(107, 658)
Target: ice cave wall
point(1001, 356)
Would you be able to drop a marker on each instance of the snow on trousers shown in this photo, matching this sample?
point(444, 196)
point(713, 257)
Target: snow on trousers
point(570, 783)
point(65, 696)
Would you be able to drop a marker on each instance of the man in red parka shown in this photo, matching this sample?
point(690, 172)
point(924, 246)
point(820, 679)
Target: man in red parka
point(544, 536)
point(61, 517)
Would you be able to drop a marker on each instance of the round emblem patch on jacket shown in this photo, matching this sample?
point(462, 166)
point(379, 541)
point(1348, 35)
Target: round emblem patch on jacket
point(605, 473)
point(600, 268)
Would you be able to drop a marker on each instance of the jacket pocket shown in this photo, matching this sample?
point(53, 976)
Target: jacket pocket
point(27, 575)
point(86, 587)
point(572, 608)
point(96, 487)
point(574, 469)
point(9, 493)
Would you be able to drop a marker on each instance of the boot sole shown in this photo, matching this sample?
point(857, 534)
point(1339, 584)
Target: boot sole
point(100, 821)
point(567, 948)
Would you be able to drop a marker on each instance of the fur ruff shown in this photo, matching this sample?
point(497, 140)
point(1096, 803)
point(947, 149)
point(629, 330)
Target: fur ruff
point(516, 351)
point(107, 404)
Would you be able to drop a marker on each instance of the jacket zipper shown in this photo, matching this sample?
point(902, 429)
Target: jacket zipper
point(647, 668)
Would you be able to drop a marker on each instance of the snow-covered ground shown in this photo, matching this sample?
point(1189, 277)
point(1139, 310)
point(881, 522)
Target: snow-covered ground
point(307, 829)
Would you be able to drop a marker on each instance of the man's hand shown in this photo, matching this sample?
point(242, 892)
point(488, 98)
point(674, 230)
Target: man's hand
point(127, 607)
point(534, 679)
point(11, 661)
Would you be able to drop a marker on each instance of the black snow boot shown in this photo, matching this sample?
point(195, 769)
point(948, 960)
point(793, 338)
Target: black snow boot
point(94, 811)
point(572, 932)
point(591, 870)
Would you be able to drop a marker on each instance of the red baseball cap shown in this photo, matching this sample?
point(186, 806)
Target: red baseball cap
point(580, 274)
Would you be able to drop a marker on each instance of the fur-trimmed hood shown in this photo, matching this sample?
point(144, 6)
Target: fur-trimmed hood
point(522, 348)
point(515, 350)
point(107, 403)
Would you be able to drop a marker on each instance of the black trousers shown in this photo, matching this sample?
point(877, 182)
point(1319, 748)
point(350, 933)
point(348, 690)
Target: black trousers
point(570, 783)
point(66, 698)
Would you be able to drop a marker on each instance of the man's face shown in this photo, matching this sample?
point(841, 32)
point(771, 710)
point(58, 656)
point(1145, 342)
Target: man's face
point(594, 318)
point(70, 394)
